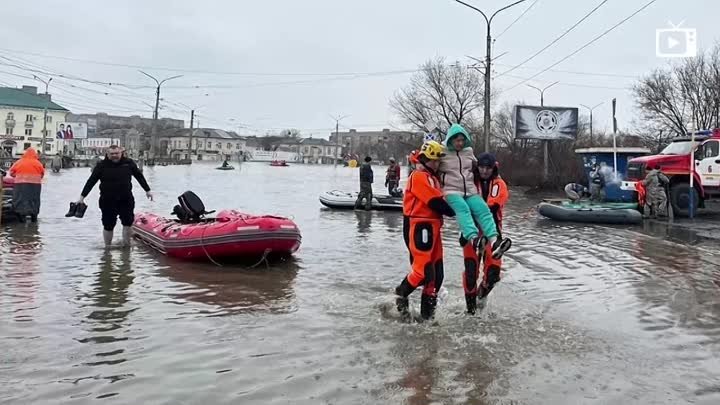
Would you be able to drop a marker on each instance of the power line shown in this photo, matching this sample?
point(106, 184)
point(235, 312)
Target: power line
point(516, 20)
point(638, 11)
point(553, 42)
point(574, 72)
point(577, 84)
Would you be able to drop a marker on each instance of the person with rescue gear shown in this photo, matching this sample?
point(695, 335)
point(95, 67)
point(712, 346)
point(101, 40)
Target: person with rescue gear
point(28, 172)
point(494, 192)
point(457, 169)
point(423, 211)
point(115, 175)
point(392, 177)
point(655, 196)
point(366, 181)
point(576, 192)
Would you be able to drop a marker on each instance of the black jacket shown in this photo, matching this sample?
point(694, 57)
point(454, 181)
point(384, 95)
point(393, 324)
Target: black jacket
point(115, 179)
point(366, 173)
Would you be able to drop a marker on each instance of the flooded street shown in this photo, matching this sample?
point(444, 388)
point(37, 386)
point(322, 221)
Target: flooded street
point(584, 314)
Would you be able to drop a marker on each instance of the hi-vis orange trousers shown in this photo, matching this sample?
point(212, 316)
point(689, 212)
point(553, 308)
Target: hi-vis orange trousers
point(423, 239)
point(490, 275)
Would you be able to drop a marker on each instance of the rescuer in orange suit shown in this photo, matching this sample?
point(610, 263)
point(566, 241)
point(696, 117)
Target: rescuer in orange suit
point(495, 193)
point(423, 211)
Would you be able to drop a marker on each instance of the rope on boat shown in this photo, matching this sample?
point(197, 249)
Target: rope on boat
point(202, 243)
point(263, 259)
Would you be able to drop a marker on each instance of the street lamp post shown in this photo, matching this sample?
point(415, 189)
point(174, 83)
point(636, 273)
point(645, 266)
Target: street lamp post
point(45, 112)
point(591, 119)
point(488, 59)
point(153, 138)
point(546, 170)
point(337, 136)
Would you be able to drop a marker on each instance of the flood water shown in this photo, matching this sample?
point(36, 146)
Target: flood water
point(584, 314)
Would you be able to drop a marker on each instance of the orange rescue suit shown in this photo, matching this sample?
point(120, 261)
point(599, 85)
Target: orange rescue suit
point(495, 192)
point(423, 210)
point(28, 169)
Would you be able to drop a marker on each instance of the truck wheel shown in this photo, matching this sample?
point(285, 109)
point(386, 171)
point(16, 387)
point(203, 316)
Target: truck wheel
point(680, 199)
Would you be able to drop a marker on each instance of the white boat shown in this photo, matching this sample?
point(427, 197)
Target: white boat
point(343, 200)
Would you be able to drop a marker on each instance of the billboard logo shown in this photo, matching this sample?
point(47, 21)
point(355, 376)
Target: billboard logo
point(546, 121)
point(676, 42)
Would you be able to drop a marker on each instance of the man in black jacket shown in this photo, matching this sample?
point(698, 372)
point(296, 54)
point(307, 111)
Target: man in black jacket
point(115, 174)
point(366, 181)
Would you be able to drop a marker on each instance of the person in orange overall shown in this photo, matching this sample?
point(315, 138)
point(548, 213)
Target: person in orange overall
point(423, 209)
point(494, 191)
point(28, 173)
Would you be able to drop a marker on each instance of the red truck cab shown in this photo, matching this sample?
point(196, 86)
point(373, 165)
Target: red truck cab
point(674, 162)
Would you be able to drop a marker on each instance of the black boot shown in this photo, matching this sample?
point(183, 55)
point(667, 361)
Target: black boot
point(471, 302)
point(72, 210)
point(80, 210)
point(402, 302)
point(493, 276)
point(33, 218)
point(427, 306)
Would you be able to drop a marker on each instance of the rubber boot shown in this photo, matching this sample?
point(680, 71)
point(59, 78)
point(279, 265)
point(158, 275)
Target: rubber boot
point(107, 237)
point(80, 210)
point(402, 302)
point(33, 218)
point(126, 236)
point(427, 306)
point(72, 210)
point(471, 303)
point(493, 276)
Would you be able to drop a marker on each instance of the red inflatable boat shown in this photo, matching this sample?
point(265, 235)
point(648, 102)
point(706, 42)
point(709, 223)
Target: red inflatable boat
point(230, 235)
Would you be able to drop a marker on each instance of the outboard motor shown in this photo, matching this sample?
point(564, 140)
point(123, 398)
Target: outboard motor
point(191, 208)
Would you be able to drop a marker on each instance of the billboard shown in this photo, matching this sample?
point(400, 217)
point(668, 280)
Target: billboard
point(548, 123)
point(71, 130)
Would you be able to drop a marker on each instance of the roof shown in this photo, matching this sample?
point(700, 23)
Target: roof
point(18, 98)
point(316, 142)
point(200, 133)
point(634, 150)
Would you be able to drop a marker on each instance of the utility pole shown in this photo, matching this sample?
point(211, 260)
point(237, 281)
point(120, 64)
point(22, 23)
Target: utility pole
point(153, 139)
point(337, 136)
point(614, 104)
point(192, 120)
point(591, 119)
point(546, 153)
point(45, 112)
point(488, 60)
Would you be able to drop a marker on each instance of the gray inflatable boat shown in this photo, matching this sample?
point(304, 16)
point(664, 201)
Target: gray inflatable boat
point(619, 213)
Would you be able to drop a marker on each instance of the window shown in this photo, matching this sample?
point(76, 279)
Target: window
point(28, 131)
point(229, 145)
point(711, 149)
point(8, 131)
point(28, 118)
point(48, 119)
point(26, 145)
point(218, 145)
point(237, 146)
point(11, 116)
point(209, 145)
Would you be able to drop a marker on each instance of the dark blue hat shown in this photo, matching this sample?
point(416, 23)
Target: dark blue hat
point(486, 160)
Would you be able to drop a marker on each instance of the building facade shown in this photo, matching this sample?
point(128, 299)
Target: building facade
point(21, 121)
point(207, 144)
point(319, 151)
point(380, 145)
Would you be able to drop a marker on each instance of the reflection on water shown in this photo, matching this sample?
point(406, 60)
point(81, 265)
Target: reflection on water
point(584, 314)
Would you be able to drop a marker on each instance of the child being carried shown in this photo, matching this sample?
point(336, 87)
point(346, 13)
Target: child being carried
point(457, 172)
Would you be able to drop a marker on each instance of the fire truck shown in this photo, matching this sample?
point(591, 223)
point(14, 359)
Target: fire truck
point(675, 162)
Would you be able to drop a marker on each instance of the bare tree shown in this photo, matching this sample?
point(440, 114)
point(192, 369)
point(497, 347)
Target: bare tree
point(686, 94)
point(441, 93)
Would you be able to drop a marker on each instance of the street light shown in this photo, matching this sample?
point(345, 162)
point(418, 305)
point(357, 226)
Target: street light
point(542, 92)
point(337, 135)
point(157, 106)
point(591, 118)
point(47, 101)
point(488, 58)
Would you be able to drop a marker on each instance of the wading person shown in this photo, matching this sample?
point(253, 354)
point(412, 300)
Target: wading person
point(115, 175)
point(656, 198)
point(28, 173)
point(392, 177)
point(494, 192)
point(597, 184)
point(423, 210)
point(366, 181)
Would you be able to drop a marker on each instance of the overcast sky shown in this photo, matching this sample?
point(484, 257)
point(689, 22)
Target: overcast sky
point(288, 51)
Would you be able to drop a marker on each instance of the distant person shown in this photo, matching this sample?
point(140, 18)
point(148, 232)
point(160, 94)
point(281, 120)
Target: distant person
point(576, 192)
point(597, 184)
point(655, 195)
point(69, 133)
point(366, 181)
point(56, 163)
point(28, 173)
point(392, 177)
point(115, 175)
point(225, 163)
point(61, 132)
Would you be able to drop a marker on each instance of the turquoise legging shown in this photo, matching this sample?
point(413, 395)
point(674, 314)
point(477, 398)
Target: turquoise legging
point(467, 208)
